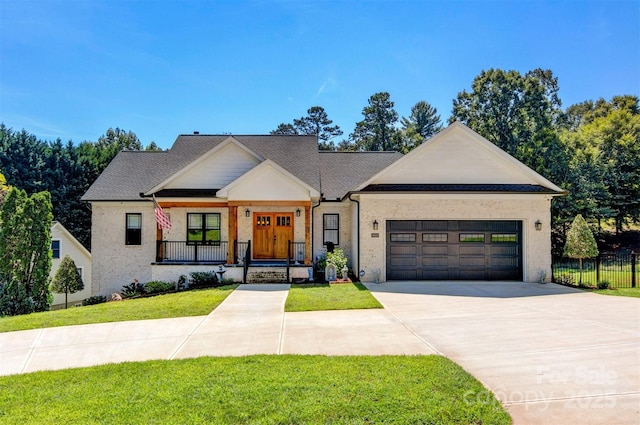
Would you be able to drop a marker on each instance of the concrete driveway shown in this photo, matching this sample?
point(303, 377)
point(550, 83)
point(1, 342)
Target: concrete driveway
point(551, 354)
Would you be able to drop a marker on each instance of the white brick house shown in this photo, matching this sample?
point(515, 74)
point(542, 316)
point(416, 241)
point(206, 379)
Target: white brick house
point(457, 207)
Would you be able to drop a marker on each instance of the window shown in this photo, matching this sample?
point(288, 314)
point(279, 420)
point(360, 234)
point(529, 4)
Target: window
point(504, 237)
point(435, 237)
point(134, 229)
point(203, 229)
point(331, 228)
point(471, 237)
point(403, 237)
point(55, 247)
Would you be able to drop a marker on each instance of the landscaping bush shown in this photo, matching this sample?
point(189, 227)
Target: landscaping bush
point(132, 289)
point(604, 284)
point(158, 286)
point(565, 279)
point(337, 258)
point(204, 280)
point(95, 299)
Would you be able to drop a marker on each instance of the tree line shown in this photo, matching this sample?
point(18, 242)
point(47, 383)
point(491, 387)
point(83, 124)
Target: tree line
point(591, 149)
point(65, 170)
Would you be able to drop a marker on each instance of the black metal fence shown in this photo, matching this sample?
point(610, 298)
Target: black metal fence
point(620, 270)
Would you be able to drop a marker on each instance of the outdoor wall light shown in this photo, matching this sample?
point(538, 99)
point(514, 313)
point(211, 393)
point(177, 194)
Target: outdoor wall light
point(538, 225)
point(247, 213)
point(298, 212)
point(375, 224)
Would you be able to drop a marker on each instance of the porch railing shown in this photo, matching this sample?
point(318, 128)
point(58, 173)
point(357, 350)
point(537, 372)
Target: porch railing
point(217, 252)
point(182, 252)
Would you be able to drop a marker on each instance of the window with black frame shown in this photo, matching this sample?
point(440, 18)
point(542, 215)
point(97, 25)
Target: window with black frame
point(331, 229)
point(133, 235)
point(203, 228)
point(55, 248)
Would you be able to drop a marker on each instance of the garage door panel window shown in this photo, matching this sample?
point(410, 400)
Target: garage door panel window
point(504, 238)
point(435, 237)
point(403, 237)
point(471, 237)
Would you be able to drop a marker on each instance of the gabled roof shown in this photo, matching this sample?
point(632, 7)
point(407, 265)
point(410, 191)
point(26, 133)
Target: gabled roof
point(267, 164)
point(56, 225)
point(458, 155)
point(133, 172)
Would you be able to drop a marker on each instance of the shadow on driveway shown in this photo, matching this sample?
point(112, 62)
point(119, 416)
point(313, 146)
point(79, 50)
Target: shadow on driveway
point(502, 289)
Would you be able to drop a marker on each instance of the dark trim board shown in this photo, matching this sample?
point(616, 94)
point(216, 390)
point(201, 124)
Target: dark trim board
point(454, 250)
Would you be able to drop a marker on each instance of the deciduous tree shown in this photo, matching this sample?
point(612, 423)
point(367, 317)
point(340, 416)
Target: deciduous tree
point(580, 242)
point(67, 279)
point(25, 256)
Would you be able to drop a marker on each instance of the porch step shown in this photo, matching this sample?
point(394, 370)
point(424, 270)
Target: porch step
point(266, 276)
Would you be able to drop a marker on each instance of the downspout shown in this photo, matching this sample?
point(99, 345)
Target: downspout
point(358, 235)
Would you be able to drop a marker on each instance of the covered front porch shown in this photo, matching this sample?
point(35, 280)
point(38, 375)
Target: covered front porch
point(223, 252)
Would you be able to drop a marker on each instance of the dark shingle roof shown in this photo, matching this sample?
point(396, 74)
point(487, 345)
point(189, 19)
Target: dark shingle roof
point(341, 172)
point(132, 172)
point(507, 188)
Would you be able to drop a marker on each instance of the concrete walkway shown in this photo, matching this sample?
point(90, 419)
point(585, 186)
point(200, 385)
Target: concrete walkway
point(250, 321)
point(551, 354)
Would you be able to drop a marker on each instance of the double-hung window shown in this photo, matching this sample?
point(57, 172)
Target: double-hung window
point(331, 228)
point(203, 228)
point(133, 235)
point(55, 248)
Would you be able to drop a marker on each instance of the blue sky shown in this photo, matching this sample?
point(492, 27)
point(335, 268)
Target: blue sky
point(72, 69)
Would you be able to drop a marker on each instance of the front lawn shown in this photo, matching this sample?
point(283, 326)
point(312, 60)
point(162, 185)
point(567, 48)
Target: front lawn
point(188, 303)
point(254, 390)
point(337, 296)
point(621, 292)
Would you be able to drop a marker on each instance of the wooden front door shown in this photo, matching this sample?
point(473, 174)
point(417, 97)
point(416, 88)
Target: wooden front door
point(271, 234)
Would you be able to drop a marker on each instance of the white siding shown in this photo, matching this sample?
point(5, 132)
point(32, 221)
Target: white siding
point(216, 171)
point(268, 184)
point(81, 258)
point(456, 159)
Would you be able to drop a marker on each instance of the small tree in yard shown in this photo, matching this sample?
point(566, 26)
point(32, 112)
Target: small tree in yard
point(580, 242)
point(67, 279)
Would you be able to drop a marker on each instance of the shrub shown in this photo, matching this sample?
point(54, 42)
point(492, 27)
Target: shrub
point(228, 281)
point(204, 280)
point(132, 289)
point(604, 284)
point(157, 286)
point(95, 299)
point(337, 258)
point(565, 279)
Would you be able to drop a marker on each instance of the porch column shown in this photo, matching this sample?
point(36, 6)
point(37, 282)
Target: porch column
point(307, 234)
point(233, 234)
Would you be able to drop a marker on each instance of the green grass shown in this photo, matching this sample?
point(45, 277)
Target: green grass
point(188, 303)
point(621, 292)
point(254, 390)
point(338, 296)
point(616, 277)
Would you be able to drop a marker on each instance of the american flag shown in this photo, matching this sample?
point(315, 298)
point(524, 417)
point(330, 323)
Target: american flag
point(161, 218)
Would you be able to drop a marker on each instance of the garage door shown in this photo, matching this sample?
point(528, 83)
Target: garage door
point(454, 249)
